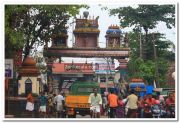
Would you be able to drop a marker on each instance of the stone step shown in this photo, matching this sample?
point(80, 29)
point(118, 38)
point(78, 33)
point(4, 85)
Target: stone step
point(27, 114)
point(9, 116)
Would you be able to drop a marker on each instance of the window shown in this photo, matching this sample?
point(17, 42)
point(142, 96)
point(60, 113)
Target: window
point(110, 78)
point(103, 79)
point(60, 42)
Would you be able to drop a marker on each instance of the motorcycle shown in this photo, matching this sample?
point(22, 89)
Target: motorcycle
point(147, 111)
point(172, 111)
point(158, 111)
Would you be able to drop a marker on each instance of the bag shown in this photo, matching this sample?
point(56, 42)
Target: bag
point(29, 106)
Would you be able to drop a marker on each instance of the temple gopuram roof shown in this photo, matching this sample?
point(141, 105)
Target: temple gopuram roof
point(85, 25)
point(29, 68)
point(86, 42)
point(113, 31)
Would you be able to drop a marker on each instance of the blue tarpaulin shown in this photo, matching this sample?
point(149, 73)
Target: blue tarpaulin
point(141, 94)
point(138, 84)
point(149, 89)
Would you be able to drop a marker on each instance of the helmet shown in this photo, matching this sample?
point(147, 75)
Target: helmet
point(157, 102)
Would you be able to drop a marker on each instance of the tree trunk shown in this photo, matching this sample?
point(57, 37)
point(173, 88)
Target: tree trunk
point(26, 52)
point(140, 44)
point(156, 65)
point(144, 44)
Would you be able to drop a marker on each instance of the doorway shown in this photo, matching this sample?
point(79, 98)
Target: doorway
point(28, 86)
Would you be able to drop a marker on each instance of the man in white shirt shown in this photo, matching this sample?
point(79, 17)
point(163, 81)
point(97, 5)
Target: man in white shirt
point(95, 101)
point(59, 99)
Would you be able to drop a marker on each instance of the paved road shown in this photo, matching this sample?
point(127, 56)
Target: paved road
point(88, 116)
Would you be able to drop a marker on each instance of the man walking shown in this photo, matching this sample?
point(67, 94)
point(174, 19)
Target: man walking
point(95, 101)
point(30, 104)
point(132, 105)
point(43, 102)
point(59, 100)
point(113, 103)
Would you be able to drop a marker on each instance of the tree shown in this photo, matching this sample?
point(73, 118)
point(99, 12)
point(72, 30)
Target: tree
point(145, 16)
point(146, 68)
point(27, 25)
point(134, 67)
point(13, 38)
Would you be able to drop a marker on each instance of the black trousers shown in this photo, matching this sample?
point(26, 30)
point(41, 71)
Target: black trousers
point(112, 112)
point(132, 113)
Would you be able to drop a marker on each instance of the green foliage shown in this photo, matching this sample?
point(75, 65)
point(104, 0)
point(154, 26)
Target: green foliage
point(145, 68)
point(27, 25)
point(147, 71)
point(133, 67)
point(13, 38)
point(134, 44)
point(146, 16)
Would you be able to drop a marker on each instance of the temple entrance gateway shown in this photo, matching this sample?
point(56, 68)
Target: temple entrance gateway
point(86, 45)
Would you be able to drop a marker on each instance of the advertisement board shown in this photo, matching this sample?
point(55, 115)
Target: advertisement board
point(9, 68)
point(104, 68)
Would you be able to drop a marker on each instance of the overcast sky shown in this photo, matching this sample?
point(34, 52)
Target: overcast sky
point(105, 21)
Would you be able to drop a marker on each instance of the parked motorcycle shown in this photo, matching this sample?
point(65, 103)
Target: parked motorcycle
point(158, 111)
point(147, 111)
point(172, 111)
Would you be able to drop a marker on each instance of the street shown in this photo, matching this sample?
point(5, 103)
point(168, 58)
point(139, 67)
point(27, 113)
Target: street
point(57, 65)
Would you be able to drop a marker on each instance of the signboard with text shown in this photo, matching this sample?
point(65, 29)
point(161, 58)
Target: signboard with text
point(67, 82)
point(72, 68)
point(104, 68)
point(9, 68)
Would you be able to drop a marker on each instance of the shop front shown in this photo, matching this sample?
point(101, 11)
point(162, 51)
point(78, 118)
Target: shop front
point(68, 73)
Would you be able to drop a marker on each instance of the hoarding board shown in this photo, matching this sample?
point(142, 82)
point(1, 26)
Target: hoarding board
point(9, 68)
point(104, 68)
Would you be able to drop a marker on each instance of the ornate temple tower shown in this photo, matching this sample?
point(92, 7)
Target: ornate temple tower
point(86, 32)
point(30, 80)
point(113, 37)
point(59, 40)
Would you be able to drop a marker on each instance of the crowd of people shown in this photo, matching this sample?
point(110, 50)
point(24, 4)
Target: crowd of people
point(133, 106)
point(50, 105)
point(110, 104)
